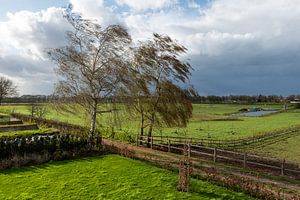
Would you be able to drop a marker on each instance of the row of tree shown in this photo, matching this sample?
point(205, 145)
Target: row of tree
point(11, 98)
point(99, 64)
point(245, 99)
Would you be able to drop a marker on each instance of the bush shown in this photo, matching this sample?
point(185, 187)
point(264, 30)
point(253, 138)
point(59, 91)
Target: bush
point(56, 147)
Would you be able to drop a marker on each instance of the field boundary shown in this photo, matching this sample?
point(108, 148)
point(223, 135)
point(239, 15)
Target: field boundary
point(235, 158)
point(238, 142)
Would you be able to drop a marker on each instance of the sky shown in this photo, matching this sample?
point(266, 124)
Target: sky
point(247, 47)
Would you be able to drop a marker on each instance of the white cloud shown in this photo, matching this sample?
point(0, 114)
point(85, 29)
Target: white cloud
point(141, 5)
point(95, 9)
point(23, 40)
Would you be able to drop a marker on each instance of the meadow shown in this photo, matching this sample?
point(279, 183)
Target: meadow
point(105, 177)
point(288, 148)
point(208, 121)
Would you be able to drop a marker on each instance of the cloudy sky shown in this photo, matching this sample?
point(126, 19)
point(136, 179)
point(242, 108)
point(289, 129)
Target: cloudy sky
point(235, 46)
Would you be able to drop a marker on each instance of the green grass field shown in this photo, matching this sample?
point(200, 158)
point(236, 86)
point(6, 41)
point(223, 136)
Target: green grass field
point(201, 124)
point(105, 177)
point(249, 126)
point(288, 149)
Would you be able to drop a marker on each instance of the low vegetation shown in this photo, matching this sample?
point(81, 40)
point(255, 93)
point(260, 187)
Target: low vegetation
point(42, 131)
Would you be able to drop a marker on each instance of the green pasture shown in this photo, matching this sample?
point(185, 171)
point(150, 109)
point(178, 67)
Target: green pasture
point(105, 177)
point(223, 109)
point(288, 149)
point(205, 123)
point(248, 126)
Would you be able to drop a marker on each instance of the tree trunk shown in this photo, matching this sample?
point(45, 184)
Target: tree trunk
point(151, 125)
point(150, 128)
point(142, 128)
point(93, 124)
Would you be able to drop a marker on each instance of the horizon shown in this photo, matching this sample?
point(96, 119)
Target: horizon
point(232, 50)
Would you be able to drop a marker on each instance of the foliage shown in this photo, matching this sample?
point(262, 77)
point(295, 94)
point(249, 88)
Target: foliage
point(89, 66)
point(106, 177)
point(151, 84)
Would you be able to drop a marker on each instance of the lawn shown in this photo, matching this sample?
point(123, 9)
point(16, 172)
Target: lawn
point(105, 177)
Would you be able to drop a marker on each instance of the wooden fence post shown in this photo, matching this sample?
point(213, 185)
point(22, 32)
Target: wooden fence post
point(245, 159)
point(169, 145)
point(151, 145)
point(137, 139)
point(282, 167)
point(215, 154)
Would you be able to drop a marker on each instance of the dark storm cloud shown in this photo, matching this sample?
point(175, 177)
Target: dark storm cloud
point(256, 73)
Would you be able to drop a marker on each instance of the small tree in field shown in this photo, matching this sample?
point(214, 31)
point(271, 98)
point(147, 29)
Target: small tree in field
point(38, 110)
point(7, 88)
point(154, 73)
point(90, 65)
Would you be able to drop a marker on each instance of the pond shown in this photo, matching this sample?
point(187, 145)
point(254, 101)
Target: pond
point(254, 114)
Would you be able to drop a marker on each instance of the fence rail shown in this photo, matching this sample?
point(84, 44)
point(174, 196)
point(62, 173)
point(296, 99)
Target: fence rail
point(237, 142)
point(235, 158)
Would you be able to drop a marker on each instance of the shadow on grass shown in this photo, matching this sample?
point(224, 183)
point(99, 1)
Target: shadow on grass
point(36, 167)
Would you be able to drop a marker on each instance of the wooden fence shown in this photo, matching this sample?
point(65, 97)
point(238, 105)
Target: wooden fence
point(235, 158)
point(237, 142)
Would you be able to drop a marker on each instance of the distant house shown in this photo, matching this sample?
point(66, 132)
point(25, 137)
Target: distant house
point(250, 109)
point(295, 101)
point(230, 101)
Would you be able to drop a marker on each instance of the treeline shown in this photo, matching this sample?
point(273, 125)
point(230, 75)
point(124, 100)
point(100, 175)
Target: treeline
point(245, 99)
point(195, 99)
point(28, 99)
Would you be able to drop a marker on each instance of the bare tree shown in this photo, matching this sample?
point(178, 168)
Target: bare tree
point(90, 65)
point(155, 75)
point(7, 88)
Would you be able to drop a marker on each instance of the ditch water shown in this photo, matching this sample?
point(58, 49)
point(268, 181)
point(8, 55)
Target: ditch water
point(254, 114)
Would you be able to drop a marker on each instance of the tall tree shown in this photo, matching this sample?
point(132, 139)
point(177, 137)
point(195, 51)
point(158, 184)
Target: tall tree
point(7, 88)
point(155, 75)
point(90, 65)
